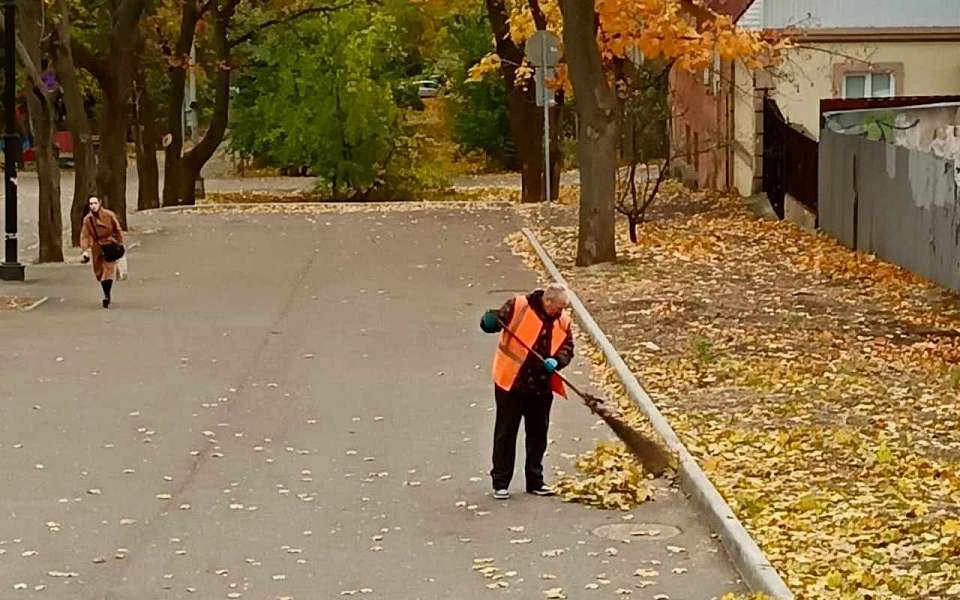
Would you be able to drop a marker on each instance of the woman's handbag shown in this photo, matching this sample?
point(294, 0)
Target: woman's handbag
point(112, 252)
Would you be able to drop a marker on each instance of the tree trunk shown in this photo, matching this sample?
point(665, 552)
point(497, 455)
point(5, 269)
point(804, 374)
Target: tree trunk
point(42, 119)
point(148, 169)
point(183, 168)
point(112, 166)
point(527, 130)
point(114, 72)
point(173, 192)
point(526, 118)
point(84, 180)
point(556, 147)
point(528, 136)
point(599, 134)
point(180, 183)
point(145, 140)
point(84, 156)
point(598, 187)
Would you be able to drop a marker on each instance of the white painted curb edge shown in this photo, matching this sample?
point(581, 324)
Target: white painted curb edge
point(756, 570)
point(36, 304)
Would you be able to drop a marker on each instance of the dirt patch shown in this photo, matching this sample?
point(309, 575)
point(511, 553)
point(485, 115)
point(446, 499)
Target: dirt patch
point(476, 193)
point(260, 198)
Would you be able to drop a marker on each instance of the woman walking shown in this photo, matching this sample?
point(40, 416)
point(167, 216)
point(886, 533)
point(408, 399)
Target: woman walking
point(102, 240)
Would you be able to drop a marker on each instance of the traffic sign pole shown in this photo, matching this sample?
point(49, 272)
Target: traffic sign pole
point(543, 51)
point(546, 124)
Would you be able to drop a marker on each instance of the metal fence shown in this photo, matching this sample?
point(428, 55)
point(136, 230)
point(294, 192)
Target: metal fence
point(899, 204)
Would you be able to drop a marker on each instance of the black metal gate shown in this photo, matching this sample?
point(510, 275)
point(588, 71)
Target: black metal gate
point(790, 161)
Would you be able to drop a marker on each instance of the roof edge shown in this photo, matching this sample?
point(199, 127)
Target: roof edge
point(874, 34)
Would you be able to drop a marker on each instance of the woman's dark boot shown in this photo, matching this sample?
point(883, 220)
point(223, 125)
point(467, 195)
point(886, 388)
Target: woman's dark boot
point(107, 286)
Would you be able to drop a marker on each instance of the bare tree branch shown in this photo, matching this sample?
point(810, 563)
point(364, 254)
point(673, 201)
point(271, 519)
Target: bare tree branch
point(539, 18)
point(260, 27)
point(832, 52)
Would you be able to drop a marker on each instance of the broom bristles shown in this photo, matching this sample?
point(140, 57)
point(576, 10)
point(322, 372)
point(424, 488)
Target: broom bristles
point(652, 456)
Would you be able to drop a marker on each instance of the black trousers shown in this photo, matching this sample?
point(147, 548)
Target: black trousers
point(534, 409)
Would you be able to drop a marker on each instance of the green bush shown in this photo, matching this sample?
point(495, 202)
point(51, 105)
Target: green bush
point(480, 118)
point(324, 94)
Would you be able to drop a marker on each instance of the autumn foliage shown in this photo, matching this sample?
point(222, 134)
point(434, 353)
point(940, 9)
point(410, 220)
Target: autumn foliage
point(816, 386)
point(652, 29)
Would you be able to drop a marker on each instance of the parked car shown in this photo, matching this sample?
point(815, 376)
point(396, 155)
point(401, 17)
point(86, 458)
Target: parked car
point(428, 88)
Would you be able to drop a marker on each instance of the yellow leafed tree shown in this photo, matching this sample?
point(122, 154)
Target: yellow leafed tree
point(599, 37)
point(655, 29)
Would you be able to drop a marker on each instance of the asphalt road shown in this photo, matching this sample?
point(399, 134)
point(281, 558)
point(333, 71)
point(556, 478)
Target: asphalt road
point(296, 406)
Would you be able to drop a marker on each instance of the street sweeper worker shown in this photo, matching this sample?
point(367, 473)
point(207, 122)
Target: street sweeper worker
point(524, 383)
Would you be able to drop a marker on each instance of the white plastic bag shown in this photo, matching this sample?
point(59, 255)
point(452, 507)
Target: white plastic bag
point(122, 271)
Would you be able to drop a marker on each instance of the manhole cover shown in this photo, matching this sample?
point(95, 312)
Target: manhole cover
point(637, 532)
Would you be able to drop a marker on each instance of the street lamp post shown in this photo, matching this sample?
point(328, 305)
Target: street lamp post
point(10, 268)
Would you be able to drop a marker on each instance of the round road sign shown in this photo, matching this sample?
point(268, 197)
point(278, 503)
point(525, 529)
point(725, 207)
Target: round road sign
point(543, 49)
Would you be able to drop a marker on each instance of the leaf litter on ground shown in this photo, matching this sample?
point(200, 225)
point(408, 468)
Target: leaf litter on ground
point(609, 478)
point(818, 387)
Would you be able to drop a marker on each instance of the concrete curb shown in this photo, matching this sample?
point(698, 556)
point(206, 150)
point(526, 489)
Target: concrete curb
point(756, 570)
point(36, 304)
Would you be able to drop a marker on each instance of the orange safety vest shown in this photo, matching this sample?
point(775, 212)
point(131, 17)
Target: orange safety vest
point(511, 354)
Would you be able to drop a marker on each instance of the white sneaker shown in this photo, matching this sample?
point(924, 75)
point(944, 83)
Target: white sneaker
point(501, 494)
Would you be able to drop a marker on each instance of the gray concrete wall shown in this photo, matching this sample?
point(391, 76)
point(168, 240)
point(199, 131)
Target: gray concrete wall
point(899, 204)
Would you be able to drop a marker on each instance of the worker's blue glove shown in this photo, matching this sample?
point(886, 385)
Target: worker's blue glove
point(490, 322)
point(550, 365)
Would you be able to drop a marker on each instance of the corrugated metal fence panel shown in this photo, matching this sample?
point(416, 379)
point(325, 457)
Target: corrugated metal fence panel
point(861, 13)
point(836, 190)
point(931, 181)
point(899, 204)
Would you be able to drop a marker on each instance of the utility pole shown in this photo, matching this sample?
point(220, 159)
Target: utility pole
point(548, 181)
point(10, 269)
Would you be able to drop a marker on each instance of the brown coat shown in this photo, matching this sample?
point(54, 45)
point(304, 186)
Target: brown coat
point(107, 232)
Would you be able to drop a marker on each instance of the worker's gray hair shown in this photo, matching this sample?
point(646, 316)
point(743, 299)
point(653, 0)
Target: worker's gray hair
point(557, 291)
